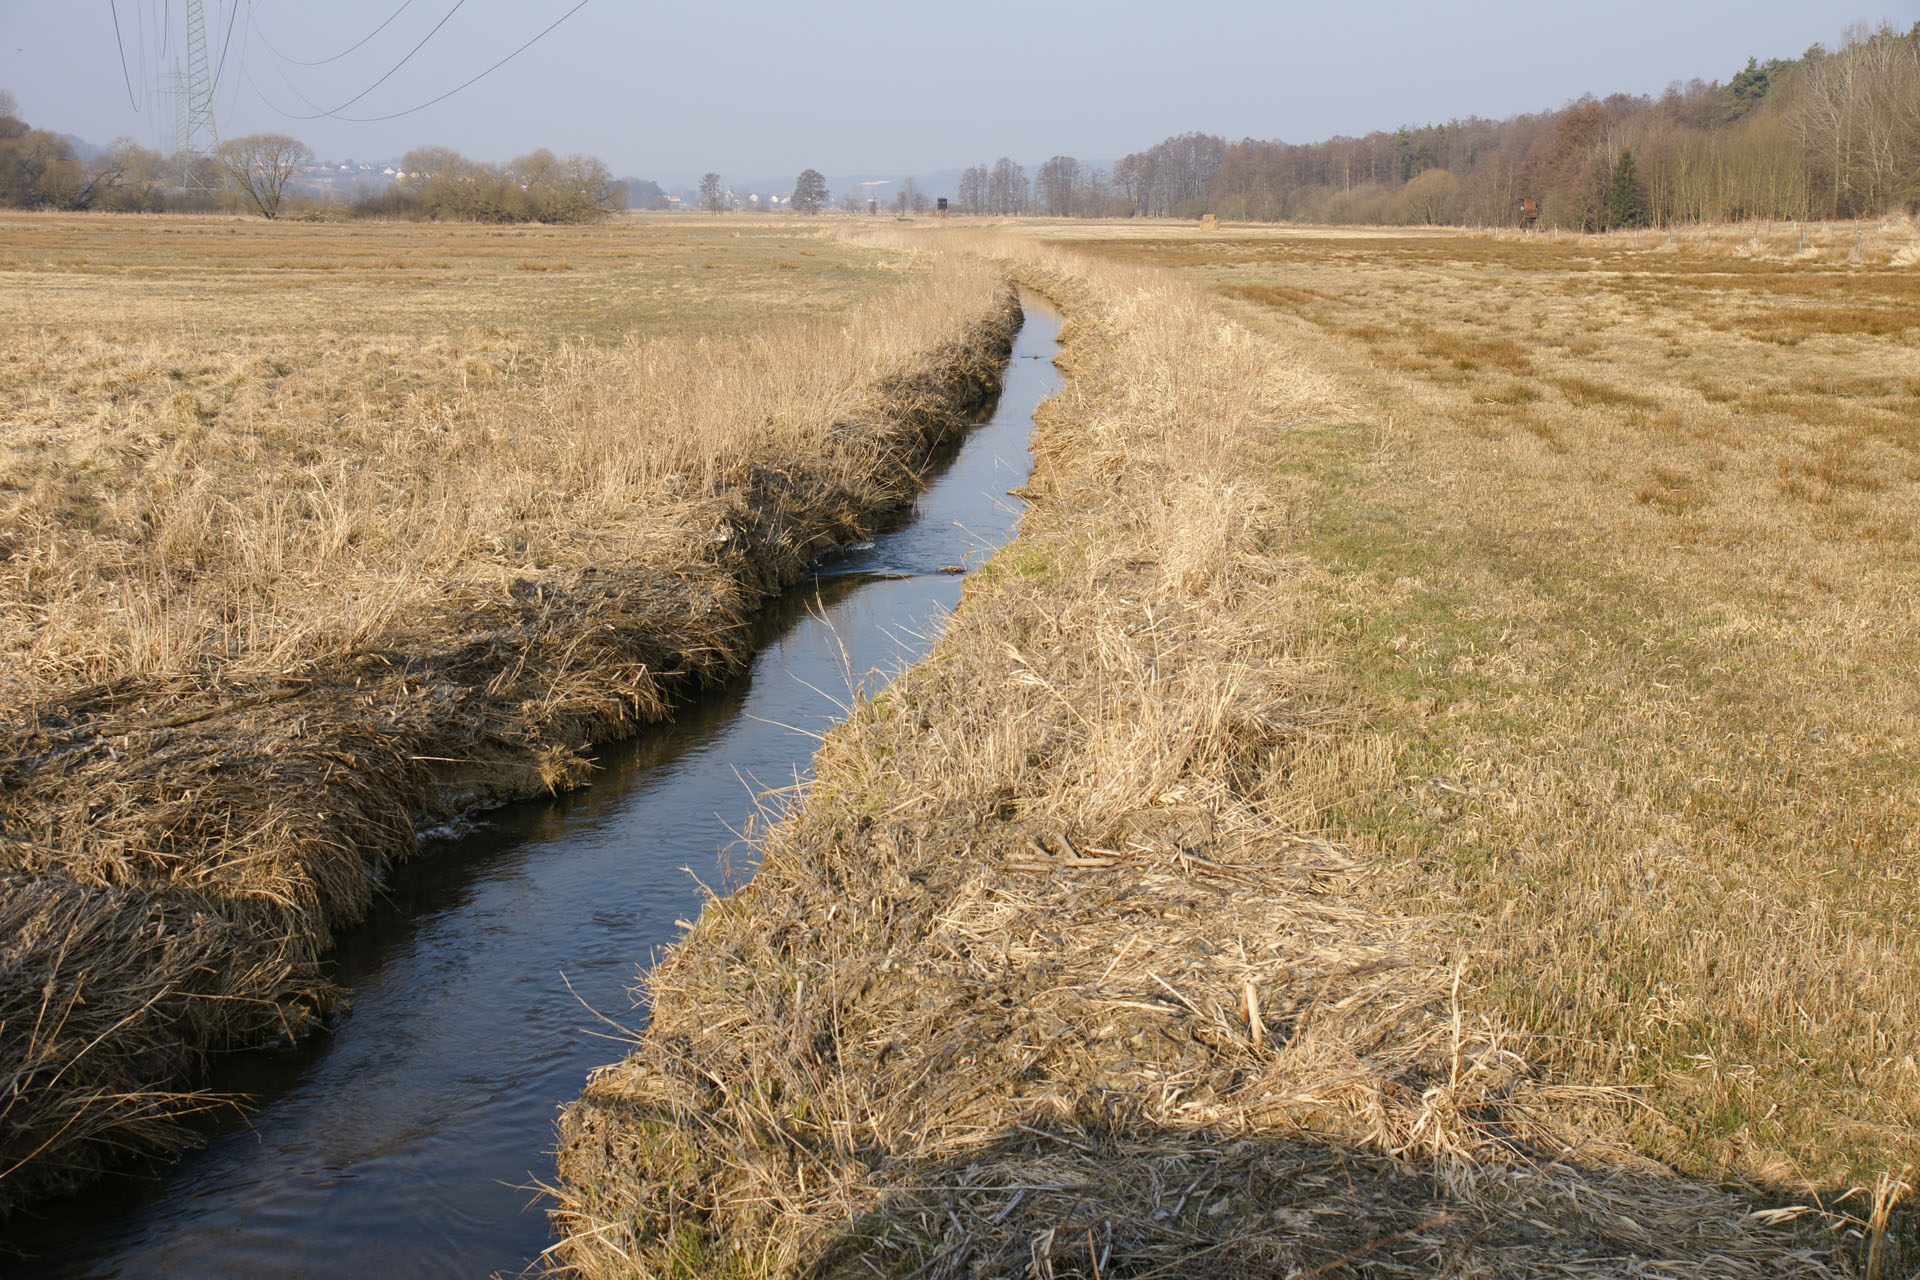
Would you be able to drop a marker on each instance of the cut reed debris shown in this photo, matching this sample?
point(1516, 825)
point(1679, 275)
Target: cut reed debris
point(1048, 975)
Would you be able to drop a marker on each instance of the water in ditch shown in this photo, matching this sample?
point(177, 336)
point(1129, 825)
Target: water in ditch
point(408, 1139)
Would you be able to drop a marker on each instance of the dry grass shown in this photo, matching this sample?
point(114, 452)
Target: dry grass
point(1050, 975)
point(218, 279)
point(194, 478)
point(1636, 632)
point(270, 599)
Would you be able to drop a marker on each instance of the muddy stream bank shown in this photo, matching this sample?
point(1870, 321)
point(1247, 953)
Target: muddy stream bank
point(407, 1139)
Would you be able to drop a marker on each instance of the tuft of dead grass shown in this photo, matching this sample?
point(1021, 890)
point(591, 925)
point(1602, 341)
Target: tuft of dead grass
point(1052, 974)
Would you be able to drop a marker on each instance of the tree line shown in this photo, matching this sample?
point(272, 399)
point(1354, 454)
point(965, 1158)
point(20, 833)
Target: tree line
point(1830, 134)
point(1172, 179)
point(40, 170)
point(439, 183)
point(256, 174)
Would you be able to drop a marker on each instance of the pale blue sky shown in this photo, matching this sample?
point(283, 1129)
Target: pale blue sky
point(758, 89)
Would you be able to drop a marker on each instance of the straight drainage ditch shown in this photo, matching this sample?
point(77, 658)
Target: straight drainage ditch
point(409, 1139)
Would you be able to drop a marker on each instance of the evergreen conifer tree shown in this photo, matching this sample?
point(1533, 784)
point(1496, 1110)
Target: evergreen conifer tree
point(809, 192)
point(1625, 205)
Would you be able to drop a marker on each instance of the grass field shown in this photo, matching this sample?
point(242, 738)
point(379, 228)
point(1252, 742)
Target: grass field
point(221, 442)
point(1444, 736)
point(1436, 762)
point(309, 534)
point(138, 278)
point(1618, 553)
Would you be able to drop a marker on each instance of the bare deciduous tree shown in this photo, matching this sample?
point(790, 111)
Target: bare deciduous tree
point(423, 166)
point(260, 166)
point(1428, 198)
point(576, 189)
point(1058, 180)
point(1857, 112)
point(973, 190)
point(37, 169)
point(1007, 188)
point(126, 176)
point(713, 193)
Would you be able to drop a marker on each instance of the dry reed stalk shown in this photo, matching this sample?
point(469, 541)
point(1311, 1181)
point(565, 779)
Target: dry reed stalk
point(192, 807)
point(985, 1007)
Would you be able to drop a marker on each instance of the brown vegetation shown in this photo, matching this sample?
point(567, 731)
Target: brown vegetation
point(267, 602)
point(1633, 626)
point(1830, 133)
point(1056, 970)
point(256, 174)
point(440, 183)
point(38, 170)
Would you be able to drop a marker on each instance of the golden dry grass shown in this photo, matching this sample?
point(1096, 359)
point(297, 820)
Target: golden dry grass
point(276, 588)
point(201, 471)
point(1619, 553)
point(1051, 973)
point(212, 278)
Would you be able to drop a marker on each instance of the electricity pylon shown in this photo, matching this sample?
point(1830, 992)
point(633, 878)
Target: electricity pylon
point(193, 109)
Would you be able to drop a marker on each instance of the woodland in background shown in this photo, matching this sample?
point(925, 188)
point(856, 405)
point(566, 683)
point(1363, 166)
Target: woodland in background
point(257, 174)
point(1831, 134)
point(40, 170)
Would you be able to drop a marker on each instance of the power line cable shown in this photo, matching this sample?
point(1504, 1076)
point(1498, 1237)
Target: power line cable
point(388, 76)
point(296, 62)
point(122, 44)
point(281, 71)
point(273, 59)
point(140, 48)
point(395, 115)
point(271, 104)
point(233, 105)
point(224, 46)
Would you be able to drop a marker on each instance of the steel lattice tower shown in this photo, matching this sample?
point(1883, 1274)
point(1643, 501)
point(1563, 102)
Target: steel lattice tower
point(199, 135)
point(175, 87)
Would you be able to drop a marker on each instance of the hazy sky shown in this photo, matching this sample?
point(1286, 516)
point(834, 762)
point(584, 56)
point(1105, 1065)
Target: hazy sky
point(756, 89)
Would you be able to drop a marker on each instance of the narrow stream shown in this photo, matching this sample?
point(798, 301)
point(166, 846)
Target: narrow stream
point(407, 1140)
